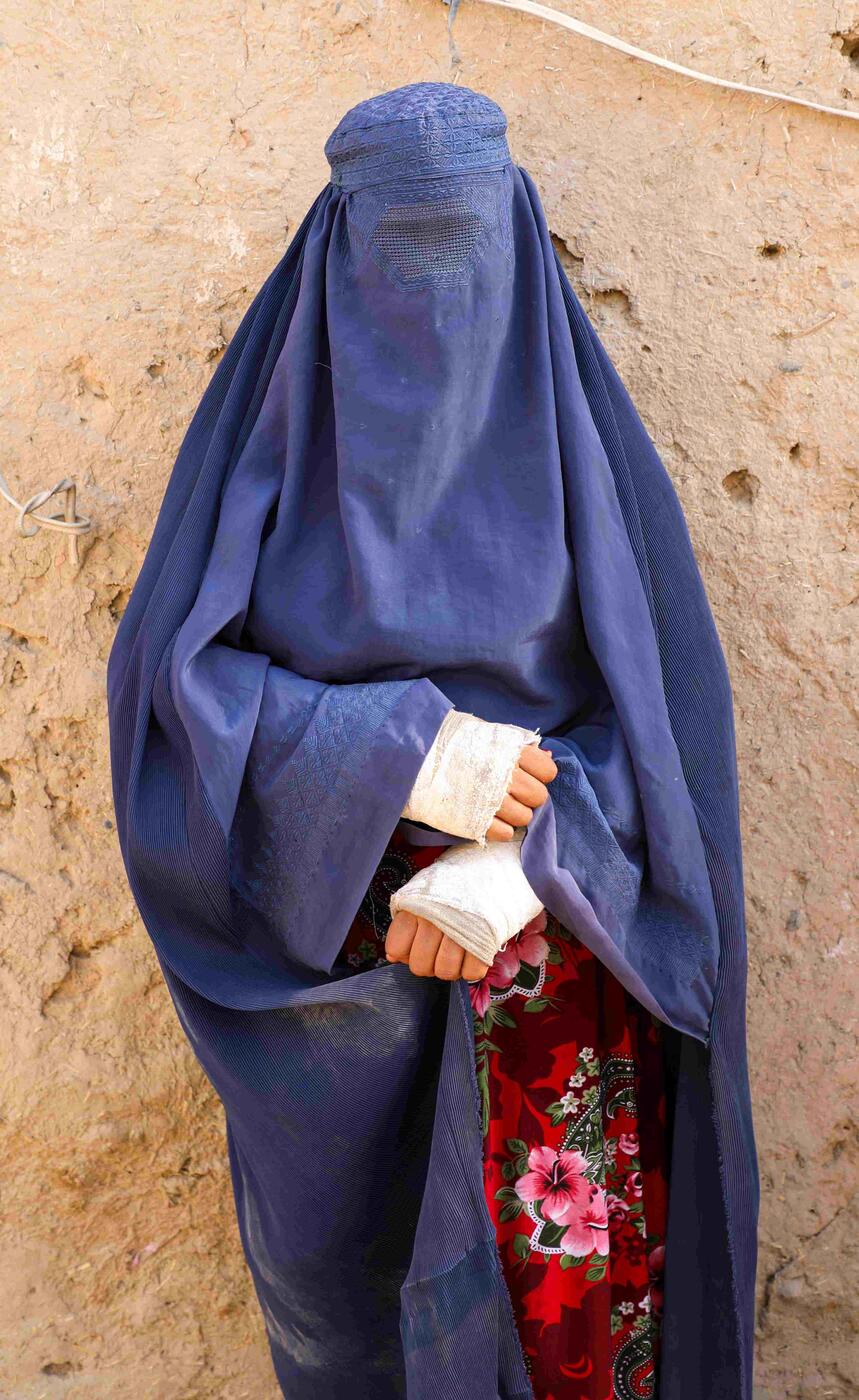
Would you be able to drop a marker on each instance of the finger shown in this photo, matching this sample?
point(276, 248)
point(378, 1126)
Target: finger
point(516, 813)
point(398, 943)
point(499, 831)
point(527, 789)
point(448, 960)
point(538, 762)
point(473, 969)
point(424, 949)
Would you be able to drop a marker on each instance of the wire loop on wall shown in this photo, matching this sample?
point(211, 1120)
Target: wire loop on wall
point(69, 523)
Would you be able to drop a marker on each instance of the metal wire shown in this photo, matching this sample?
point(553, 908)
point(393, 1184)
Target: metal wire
point(69, 523)
point(587, 31)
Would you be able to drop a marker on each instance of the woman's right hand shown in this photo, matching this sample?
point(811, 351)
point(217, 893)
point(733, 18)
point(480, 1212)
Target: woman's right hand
point(526, 791)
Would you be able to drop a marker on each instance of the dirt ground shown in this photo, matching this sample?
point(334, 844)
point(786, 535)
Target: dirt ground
point(158, 159)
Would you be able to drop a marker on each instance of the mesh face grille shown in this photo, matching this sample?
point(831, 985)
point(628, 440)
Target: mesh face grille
point(431, 239)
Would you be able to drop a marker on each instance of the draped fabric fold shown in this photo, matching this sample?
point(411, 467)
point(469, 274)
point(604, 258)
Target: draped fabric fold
point(415, 482)
point(261, 765)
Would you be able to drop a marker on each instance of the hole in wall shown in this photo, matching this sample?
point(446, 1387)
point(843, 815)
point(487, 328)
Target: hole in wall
point(848, 42)
point(571, 261)
point(805, 454)
point(118, 603)
point(614, 297)
point(742, 486)
point(7, 792)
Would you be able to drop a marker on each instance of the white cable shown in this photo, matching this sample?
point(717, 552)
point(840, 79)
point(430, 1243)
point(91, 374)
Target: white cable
point(587, 31)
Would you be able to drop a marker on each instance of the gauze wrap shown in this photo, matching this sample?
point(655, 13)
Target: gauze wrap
point(466, 774)
point(478, 895)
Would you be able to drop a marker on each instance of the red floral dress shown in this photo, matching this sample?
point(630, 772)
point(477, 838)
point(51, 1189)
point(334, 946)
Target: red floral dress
point(569, 1068)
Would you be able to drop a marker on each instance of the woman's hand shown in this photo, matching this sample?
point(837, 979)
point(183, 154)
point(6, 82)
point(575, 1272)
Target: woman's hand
point(429, 952)
point(526, 792)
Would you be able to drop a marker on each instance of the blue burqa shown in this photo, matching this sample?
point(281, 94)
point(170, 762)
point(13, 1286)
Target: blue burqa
point(415, 481)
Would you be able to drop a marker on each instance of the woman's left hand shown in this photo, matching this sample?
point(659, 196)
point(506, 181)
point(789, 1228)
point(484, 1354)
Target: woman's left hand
point(429, 952)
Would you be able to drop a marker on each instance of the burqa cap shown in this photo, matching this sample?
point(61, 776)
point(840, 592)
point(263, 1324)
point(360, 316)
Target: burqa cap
point(418, 130)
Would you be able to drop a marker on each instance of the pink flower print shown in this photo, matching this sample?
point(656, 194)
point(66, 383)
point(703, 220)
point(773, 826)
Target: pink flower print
point(618, 1209)
point(557, 1181)
point(656, 1261)
point(655, 1268)
point(635, 1186)
point(530, 940)
point(479, 994)
point(537, 924)
point(528, 946)
point(500, 974)
point(587, 1225)
point(628, 1143)
point(532, 948)
point(505, 966)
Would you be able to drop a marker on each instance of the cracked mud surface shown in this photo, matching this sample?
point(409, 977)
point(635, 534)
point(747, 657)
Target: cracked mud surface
point(157, 160)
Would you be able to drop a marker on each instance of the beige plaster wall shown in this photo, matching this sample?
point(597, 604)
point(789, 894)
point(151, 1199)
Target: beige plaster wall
point(157, 157)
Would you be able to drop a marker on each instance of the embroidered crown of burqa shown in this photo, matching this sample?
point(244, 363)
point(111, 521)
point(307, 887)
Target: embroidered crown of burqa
point(404, 152)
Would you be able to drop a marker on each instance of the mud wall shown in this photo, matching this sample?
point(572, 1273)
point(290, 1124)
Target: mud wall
point(158, 158)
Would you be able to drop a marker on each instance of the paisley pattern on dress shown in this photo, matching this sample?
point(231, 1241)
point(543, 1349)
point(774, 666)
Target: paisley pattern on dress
point(570, 1073)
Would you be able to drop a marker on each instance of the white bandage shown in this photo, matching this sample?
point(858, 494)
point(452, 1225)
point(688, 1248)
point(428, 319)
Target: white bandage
point(477, 895)
point(466, 774)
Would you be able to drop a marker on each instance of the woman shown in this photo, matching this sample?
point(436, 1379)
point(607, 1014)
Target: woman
point(416, 524)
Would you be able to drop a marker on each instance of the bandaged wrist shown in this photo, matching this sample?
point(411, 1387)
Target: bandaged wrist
point(466, 774)
point(477, 895)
